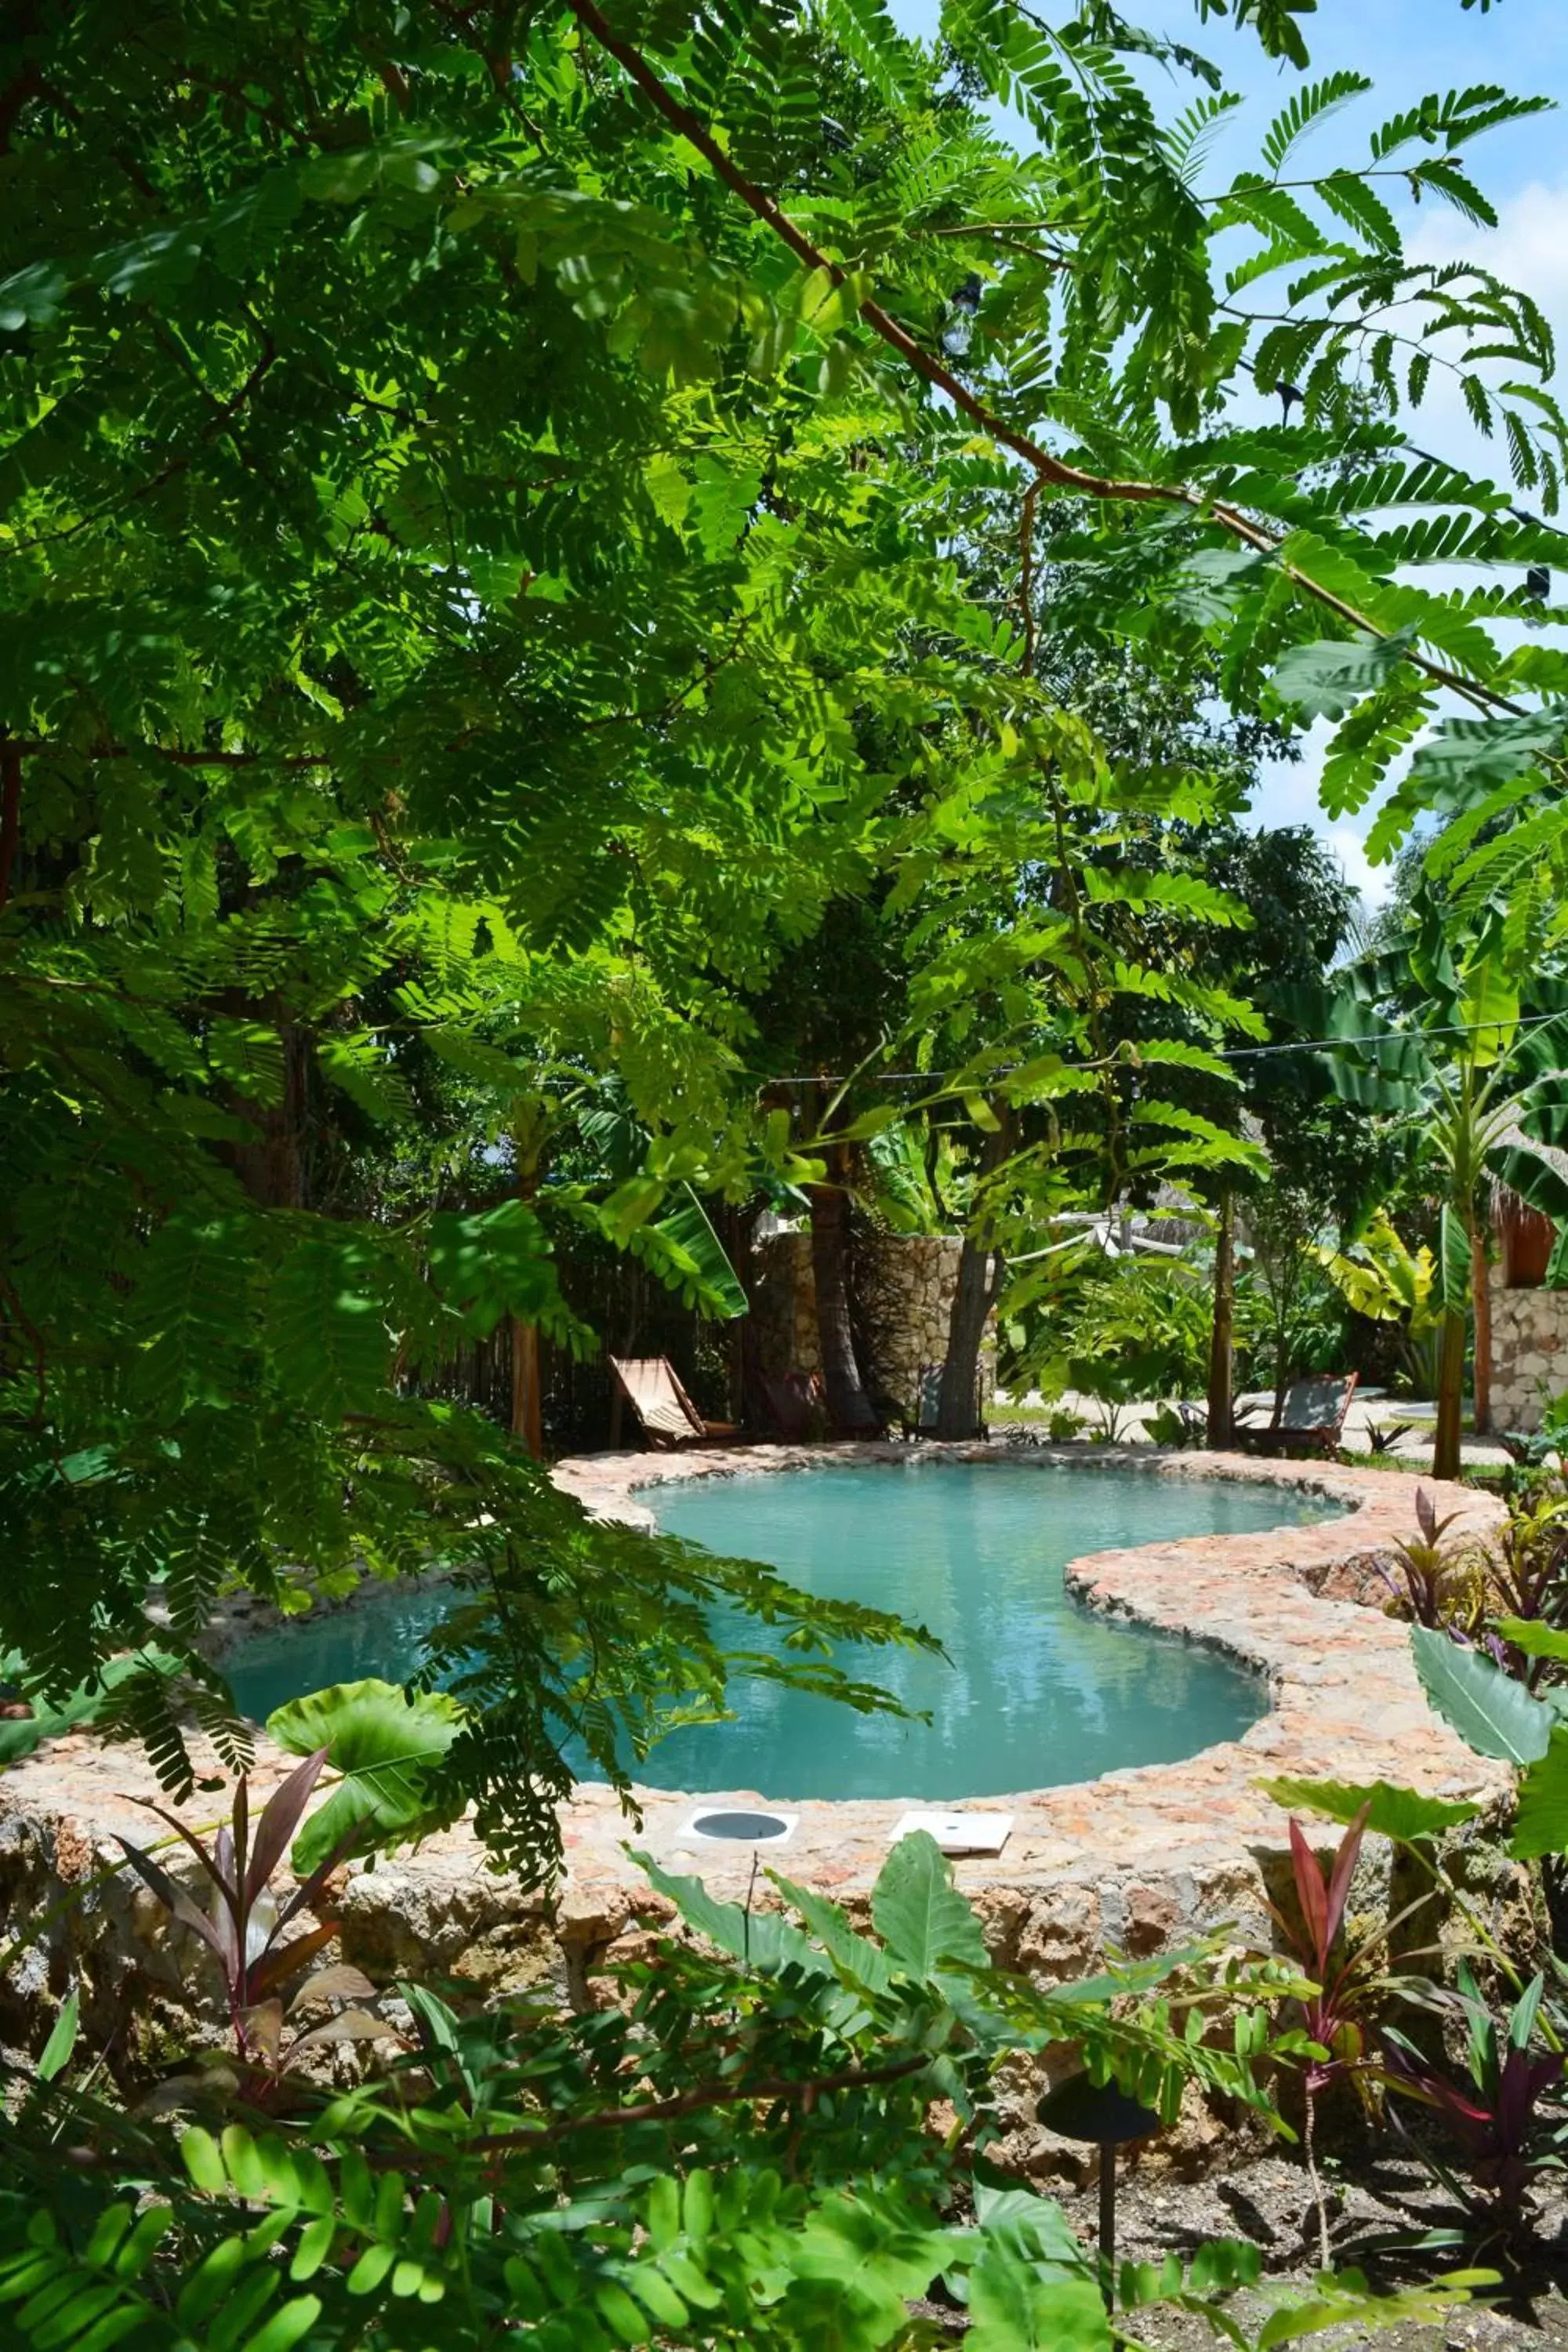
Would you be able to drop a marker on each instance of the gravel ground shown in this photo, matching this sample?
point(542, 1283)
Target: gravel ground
point(1268, 2201)
point(1412, 1451)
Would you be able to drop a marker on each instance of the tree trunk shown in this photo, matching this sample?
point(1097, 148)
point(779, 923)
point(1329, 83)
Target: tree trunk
point(272, 1167)
point(1482, 1305)
point(850, 1409)
point(527, 1403)
point(979, 1279)
point(1222, 1339)
point(527, 1410)
point(737, 1230)
point(1450, 1397)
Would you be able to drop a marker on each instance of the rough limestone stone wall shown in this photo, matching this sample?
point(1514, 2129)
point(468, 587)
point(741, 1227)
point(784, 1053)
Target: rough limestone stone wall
point(1529, 1351)
point(906, 1281)
point(783, 1306)
point(907, 1287)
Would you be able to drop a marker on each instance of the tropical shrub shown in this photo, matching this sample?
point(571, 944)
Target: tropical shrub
point(1138, 1329)
point(738, 2151)
point(1502, 2115)
point(1505, 2113)
point(1436, 1583)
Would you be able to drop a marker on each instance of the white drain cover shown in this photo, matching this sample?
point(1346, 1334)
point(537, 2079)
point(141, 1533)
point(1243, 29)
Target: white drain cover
point(959, 1833)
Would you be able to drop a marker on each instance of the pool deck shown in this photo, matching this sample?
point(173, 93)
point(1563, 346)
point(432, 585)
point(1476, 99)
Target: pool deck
point(1134, 1860)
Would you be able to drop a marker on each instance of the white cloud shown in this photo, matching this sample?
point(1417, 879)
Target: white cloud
point(1288, 794)
point(1528, 250)
point(1527, 247)
point(1375, 883)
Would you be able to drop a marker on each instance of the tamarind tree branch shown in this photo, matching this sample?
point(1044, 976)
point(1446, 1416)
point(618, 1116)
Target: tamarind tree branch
point(1046, 467)
point(710, 2095)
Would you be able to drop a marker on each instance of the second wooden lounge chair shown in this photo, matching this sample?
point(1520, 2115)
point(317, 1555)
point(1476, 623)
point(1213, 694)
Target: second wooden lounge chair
point(1311, 1419)
point(652, 1388)
point(794, 1406)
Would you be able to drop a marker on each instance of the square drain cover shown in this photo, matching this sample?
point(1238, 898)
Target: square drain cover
point(959, 1833)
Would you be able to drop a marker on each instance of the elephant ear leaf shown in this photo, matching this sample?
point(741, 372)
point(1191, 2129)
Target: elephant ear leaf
point(1492, 1713)
point(921, 1915)
point(1391, 1812)
point(385, 1746)
point(1543, 1823)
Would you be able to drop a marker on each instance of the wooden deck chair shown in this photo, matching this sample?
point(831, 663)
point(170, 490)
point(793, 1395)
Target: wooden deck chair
point(795, 1405)
point(668, 1417)
point(1311, 1419)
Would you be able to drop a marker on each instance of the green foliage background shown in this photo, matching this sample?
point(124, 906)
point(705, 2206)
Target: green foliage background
point(490, 513)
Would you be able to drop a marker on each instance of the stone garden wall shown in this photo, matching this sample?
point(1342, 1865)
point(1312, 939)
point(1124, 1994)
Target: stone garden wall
point(1529, 1351)
point(905, 1283)
point(783, 1306)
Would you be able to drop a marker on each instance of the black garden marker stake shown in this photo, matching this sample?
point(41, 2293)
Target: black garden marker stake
point(1100, 2113)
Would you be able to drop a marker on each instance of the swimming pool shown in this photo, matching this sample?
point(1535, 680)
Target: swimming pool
point(1034, 1690)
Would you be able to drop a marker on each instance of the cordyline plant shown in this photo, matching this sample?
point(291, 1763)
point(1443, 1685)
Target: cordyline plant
point(1496, 2113)
point(1529, 1574)
point(1441, 1585)
point(1346, 1975)
point(245, 1922)
point(1384, 1436)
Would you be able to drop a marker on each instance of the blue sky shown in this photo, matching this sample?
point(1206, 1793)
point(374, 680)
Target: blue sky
point(1406, 48)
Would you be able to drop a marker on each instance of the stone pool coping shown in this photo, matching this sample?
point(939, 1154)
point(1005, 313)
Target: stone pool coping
point(1133, 1860)
point(1292, 1603)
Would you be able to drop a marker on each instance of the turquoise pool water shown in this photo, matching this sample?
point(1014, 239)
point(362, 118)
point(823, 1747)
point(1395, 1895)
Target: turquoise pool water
point(1034, 1691)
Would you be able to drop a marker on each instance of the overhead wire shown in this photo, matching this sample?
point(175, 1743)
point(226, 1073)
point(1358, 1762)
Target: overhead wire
point(1214, 1053)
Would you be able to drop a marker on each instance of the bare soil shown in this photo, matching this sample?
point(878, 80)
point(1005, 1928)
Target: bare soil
point(1376, 2206)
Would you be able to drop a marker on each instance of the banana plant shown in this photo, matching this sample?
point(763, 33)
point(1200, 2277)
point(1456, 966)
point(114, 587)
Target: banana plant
point(1479, 1070)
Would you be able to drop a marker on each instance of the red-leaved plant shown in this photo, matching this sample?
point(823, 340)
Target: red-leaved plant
point(1496, 2114)
point(245, 1922)
point(1346, 1976)
point(1432, 1583)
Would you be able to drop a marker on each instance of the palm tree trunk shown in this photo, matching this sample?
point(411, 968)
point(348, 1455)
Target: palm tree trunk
point(527, 1410)
point(1450, 1396)
point(1222, 1337)
point(979, 1280)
